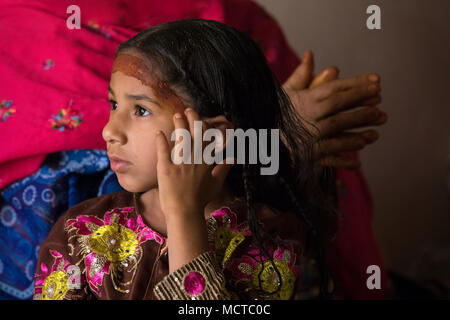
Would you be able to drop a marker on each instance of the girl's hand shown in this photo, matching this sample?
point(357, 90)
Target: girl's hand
point(323, 101)
point(185, 189)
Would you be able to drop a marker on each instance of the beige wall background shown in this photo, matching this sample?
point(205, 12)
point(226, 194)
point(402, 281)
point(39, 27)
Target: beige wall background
point(408, 168)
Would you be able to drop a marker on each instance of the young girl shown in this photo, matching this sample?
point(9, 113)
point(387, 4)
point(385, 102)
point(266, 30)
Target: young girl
point(194, 231)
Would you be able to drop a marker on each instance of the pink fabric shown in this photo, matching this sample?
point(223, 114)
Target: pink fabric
point(57, 80)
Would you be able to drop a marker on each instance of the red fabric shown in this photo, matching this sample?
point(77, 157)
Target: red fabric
point(48, 70)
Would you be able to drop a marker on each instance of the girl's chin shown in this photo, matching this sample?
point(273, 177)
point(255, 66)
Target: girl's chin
point(132, 186)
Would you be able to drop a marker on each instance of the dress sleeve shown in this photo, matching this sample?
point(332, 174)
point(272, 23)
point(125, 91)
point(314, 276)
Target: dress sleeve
point(200, 279)
point(58, 276)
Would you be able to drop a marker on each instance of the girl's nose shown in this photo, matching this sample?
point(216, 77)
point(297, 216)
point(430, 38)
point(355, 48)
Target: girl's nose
point(113, 132)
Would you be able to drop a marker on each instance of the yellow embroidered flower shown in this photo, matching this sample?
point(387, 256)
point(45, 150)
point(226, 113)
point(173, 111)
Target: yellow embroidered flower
point(110, 246)
point(55, 286)
point(114, 241)
point(224, 235)
point(270, 279)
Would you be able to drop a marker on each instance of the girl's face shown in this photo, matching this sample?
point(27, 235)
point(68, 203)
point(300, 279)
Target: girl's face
point(140, 105)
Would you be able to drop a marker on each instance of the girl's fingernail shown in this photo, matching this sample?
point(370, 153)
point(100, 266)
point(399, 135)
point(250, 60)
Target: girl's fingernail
point(188, 110)
point(177, 115)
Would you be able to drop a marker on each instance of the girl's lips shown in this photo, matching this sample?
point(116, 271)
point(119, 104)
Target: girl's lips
point(120, 166)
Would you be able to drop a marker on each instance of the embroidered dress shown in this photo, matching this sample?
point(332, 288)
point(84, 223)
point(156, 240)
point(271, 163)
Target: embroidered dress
point(103, 249)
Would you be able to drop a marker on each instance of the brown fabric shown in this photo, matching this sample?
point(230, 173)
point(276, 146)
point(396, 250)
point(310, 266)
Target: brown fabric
point(149, 264)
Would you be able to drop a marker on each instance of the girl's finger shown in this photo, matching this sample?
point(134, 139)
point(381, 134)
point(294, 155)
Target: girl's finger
point(180, 134)
point(191, 116)
point(162, 150)
point(179, 122)
point(220, 171)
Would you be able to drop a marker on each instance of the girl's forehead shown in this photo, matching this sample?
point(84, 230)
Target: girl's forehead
point(134, 66)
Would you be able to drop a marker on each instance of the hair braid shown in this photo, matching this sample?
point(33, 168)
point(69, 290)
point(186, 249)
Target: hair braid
point(253, 225)
point(316, 236)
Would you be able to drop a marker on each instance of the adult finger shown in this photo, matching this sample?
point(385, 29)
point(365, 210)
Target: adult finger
point(330, 73)
point(346, 141)
point(343, 94)
point(303, 74)
point(362, 117)
point(365, 79)
point(371, 101)
point(339, 162)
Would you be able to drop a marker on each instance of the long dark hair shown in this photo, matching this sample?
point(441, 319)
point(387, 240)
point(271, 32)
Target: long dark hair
point(225, 73)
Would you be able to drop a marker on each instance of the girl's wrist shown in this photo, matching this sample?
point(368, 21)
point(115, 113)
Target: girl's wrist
point(183, 213)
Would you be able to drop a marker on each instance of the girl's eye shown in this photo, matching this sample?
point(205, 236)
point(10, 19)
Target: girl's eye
point(113, 104)
point(141, 112)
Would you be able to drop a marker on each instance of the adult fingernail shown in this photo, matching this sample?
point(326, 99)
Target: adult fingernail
point(374, 78)
point(382, 119)
point(373, 114)
point(371, 136)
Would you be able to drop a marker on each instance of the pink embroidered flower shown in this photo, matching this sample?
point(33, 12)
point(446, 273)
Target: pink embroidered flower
point(112, 245)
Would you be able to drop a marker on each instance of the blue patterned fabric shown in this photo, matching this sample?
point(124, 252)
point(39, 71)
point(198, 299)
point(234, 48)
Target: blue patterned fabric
point(30, 207)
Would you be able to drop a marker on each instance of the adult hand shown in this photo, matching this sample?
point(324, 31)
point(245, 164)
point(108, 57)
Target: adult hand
point(331, 107)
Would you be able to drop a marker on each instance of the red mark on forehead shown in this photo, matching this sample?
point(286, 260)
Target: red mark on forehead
point(134, 66)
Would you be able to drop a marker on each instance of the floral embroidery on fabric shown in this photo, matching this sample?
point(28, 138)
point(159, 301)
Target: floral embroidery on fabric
point(54, 284)
point(110, 246)
point(96, 28)
point(6, 110)
point(224, 235)
point(66, 119)
point(261, 275)
point(48, 64)
point(253, 268)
